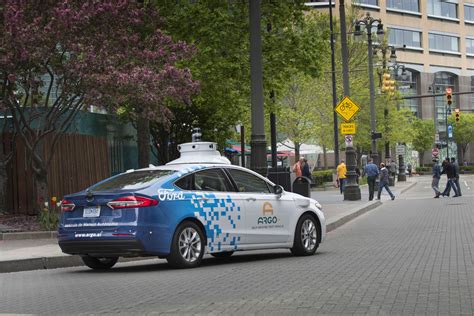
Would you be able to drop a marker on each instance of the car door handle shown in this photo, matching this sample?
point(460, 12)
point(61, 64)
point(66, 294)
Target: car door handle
point(250, 199)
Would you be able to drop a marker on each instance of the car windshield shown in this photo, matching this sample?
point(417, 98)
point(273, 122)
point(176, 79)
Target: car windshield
point(132, 180)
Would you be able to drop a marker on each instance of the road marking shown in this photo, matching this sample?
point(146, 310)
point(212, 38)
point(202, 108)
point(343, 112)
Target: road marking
point(465, 183)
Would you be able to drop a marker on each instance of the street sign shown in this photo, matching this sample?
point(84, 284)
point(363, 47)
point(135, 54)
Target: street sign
point(450, 131)
point(348, 140)
point(401, 150)
point(436, 138)
point(348, 128)
point(347, 109)
point(435, 152)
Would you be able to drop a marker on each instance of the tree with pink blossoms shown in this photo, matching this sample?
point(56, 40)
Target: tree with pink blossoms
point(58, 57)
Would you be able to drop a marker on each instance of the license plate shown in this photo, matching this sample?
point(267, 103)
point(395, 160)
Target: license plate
point(91, 211)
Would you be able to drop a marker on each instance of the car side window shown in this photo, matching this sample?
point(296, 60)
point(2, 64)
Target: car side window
point(186, 183)
point(247, 182)
point(211, 180)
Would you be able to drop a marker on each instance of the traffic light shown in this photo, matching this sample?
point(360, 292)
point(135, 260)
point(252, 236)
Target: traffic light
point(449, 96)
point(457, 114)
point(388, 85)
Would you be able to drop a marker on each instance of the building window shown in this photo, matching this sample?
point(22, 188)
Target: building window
point(444, 43)
point(442, 8)
point(407, 86)
point(470, 46)
point(404, 38)
point(405, 5)
point(367, 2)
point(468, 13)
point(472, 89)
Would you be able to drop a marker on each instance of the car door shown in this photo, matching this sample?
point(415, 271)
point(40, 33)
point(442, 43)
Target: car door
point(266, 215)
point(214, 207)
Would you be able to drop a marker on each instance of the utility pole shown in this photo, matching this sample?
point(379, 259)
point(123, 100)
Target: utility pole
point(334, 89)
point(258, 143)
point(352, 190)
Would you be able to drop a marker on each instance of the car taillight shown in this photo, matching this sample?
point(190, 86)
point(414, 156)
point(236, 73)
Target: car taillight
point(131, 202)
point(67, 206)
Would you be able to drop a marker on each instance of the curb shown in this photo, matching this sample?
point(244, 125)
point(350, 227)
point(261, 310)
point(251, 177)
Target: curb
point(29, 235)
point(330, 226)
point(66, 261)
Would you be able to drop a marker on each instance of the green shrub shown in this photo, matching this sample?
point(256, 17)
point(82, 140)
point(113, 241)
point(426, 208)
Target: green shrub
point(322, 176)
point(467, 168)
point(423, 169)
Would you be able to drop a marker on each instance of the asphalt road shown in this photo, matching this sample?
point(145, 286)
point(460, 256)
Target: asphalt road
point(411, 255)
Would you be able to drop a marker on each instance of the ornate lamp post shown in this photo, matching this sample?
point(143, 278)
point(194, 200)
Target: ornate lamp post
point(369, 22)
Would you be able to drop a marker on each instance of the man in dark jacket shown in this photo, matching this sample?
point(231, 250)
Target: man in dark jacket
point(450, 172)
point(371, 171)
point(383, 182)
point(456, 178)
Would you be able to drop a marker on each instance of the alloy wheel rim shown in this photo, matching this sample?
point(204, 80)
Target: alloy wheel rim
point(308, 235)
point(189, 244)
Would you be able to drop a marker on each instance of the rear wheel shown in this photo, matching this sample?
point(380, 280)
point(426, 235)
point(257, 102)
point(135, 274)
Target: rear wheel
point(224, 254)
point(187, 248)
point(306, 236)
point(99, 263)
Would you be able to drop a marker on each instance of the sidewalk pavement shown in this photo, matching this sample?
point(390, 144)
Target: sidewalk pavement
point(39, 250)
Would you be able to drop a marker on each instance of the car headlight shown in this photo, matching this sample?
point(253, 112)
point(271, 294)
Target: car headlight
point(316, 203)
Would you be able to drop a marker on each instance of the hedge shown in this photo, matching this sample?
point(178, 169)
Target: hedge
point(322, 176)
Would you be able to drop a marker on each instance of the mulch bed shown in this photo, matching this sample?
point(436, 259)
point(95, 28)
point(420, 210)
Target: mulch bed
point(21, 222)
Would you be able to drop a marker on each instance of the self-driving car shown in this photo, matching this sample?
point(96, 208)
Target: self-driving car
point(196, 204)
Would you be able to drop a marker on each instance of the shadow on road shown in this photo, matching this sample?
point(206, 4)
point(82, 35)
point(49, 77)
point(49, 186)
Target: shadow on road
point(207, 262)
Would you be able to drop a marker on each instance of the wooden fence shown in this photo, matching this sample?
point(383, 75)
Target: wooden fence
point(78, 162)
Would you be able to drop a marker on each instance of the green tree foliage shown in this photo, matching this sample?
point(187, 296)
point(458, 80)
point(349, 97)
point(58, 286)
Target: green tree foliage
point(423, 136)
point(298, 118)
point(463, 132)
point(219, 31)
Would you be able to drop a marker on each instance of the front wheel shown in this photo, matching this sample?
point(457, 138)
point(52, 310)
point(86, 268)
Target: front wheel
point(99, 263)
point(187, 248)
point(306, 236)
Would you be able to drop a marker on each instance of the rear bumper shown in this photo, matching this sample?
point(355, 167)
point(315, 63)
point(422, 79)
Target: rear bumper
point(103, 248)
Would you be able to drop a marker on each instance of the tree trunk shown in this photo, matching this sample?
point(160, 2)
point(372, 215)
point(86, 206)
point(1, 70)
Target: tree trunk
point(41, 190)
point(297, 151)
point(422, 156)
point(325, 157)
point(3, 186)
point(143, 142)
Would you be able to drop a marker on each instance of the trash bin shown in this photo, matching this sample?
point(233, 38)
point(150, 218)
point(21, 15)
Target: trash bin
point(302, 186)
point(391, 180)
point(281, 176)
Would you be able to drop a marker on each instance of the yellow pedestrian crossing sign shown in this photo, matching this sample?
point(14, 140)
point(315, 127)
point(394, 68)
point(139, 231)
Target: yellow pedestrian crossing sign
point(347, 108)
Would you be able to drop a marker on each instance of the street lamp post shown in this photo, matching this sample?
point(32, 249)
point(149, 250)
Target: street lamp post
point(369, 21)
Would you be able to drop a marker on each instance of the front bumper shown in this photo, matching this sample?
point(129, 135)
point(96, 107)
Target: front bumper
point(103, 248)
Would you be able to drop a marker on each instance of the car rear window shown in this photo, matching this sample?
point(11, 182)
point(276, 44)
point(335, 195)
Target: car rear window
point(132, 180)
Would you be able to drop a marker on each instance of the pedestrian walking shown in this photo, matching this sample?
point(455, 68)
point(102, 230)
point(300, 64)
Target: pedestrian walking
point(456, 176)
point(306, 170)
point(297, 167)
point(383, 182)
point(372, 172)
point(341, 175)
point(393, 170)
point(450, 172)
point(436, 176)
point(409, 169)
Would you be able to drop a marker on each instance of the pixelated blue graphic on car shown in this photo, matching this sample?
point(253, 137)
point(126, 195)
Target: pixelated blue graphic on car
point(213, 212)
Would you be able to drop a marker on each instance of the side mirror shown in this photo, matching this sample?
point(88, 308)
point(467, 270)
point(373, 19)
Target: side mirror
point(278, 190)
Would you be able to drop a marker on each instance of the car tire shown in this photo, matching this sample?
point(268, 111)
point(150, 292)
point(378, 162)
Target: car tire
point(224, 254)
point(188, 245)
point(307, 234)
point(103, 263)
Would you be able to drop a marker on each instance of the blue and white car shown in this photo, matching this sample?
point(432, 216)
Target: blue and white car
point(197, 204)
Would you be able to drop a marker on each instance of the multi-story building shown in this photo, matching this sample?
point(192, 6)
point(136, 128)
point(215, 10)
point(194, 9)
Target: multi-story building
point(435, 42)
